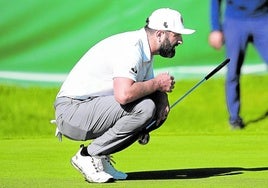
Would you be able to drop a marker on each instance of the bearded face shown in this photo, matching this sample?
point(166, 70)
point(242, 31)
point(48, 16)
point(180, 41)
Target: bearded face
point(166, 49)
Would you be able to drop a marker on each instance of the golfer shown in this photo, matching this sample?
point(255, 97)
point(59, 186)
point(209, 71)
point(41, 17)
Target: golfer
point(111, 94)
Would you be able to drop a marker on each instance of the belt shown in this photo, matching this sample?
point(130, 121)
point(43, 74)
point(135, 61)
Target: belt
point(69, 99)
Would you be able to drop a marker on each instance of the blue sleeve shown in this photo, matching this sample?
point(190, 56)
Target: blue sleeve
point(215, 15)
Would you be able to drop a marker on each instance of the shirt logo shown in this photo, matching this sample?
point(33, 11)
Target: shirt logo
point(133, 69)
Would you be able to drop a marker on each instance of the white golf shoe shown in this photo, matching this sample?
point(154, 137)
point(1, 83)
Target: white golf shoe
point(91, 167)
point(109, 168)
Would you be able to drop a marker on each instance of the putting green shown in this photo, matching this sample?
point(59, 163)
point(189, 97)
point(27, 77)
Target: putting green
point(234, 160)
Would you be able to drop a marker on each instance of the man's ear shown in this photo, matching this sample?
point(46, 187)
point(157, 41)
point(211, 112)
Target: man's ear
point(159, 34)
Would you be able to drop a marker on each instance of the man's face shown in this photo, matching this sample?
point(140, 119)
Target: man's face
point(167, 48)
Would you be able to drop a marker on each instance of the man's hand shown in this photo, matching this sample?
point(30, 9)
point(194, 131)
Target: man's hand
point(165, 82)
point(162, 107)
point(162, 114)
point(216, 39)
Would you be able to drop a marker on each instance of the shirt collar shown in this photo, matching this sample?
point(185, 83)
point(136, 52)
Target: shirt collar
point(147, 56)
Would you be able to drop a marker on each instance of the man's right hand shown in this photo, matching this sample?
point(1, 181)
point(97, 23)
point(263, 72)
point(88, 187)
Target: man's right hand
point(216, 39)
point(165, 82)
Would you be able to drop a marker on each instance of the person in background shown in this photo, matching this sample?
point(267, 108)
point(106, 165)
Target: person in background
point(111, 94)
point(242, 22)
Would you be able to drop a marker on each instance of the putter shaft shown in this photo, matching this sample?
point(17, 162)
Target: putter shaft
point(195, 86)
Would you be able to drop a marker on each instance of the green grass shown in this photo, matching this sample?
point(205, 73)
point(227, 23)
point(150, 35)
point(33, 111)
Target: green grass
point(168, 161)
point(194, 148)
point(26, 111)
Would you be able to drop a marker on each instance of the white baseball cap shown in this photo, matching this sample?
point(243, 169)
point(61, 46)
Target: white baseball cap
point(168, 19)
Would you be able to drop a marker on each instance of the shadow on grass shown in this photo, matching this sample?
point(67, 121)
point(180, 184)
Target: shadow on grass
point(190, 173)
point(262, 117)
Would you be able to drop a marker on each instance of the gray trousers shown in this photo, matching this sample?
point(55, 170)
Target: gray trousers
point(112, 126)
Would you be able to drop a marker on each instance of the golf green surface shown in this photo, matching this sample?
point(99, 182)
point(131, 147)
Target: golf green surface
point(233, 160)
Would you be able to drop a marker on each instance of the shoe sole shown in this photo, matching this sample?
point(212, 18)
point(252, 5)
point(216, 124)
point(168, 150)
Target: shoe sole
point(87, 179)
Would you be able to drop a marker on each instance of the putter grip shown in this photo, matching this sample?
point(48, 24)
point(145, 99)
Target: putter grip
point(217, 68)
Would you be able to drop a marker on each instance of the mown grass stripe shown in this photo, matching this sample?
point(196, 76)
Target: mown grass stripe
point(180, 72)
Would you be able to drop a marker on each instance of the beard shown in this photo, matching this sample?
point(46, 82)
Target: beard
point(167, 50)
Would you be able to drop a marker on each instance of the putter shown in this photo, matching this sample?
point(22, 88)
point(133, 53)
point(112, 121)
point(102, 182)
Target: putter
point(195, 86)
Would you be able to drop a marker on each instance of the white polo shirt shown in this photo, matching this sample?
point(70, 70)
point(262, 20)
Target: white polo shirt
point(123, 55)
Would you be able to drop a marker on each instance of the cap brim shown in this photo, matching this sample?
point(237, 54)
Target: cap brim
point(186, 31)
